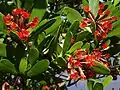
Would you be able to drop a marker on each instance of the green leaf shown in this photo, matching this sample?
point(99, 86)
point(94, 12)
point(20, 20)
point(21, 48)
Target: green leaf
point(33, 55)
point(94, 7)
point(42, 23)
point(81, 36)
point(41, 27)
point(107, 80)
point(38, 68)
point(23, 65)
point(108, 42)
point(86, 46)
point(67, 42)
point(3, 28)
point(85, 2)
point(39, 9)
point(54, 26)
point(75, 46)
point(116, 2)
point(41, 37)
point(2, 49)
point(74, 27)
point(28, 4)
point(115, 30)
point(19, 3)
point(90, 84)
point(61, 61)
point(98, 86)
point(114, 10)
point(95, 80)
point(71, 14)
point(100, 68)
point(59, 49)
point(7, 67)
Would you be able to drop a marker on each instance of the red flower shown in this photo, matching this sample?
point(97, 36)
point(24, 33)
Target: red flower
point(24, 34)
point(101, 6)
point(83, 24)
point(17, 11)
point(25, 14)
point(89, 73)
point(13, 26)
point(106, 56)
point(18, 22)
point(7, 19)
point(97, 33)
point(80, 54)
point(20, 11)
point(83, 77)
point(106, 24)
point(34, 22)
point(114, 18)
point(86, 9)
point(100, 12)
point(107, 12)
point(104, 45)
point(73, 74)
point(103, 24)
point(97, 54)
point(90, 59)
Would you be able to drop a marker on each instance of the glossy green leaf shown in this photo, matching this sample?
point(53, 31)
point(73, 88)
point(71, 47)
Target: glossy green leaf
point(3, 29)
point(28, 4)
point(85, 2)
point(71, 14)
point(61, 62)
point(95, 80)
point(19, 3)
point(41, 28)
point(41, 37)
point(116, 29)
point(74, 27)
point(23, 65)
point(100, 68)
point(39, 9)
point(114, 10)
point(75, 46)
point(42, 23)
point(7, 67)
point(107, 80)
point(90, 84)
point(54, 26)
point(108, 42)
point(98, 86)
point(82, 36)
point(38, 68)
point(116, 2)
point(93, 4)
point(33, 55)
point(67, 42)
point(59, 49)
point(2, 49)
point(86, 46)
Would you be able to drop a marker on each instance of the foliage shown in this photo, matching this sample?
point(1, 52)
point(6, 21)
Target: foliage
point(53, 44)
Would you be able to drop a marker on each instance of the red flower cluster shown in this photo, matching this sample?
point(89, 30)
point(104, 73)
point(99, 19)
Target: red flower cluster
point(103, 22)
point(80, 62)
point(17, 21)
